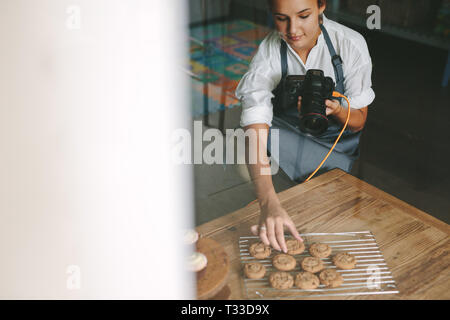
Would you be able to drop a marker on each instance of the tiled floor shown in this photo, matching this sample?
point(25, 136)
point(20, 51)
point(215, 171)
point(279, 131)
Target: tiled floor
point(405, 148)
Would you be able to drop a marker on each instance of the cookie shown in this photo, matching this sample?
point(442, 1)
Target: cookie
point(312, 264)
point(259, 250)
point(197, 262)
point(306, 280)
point(331, 278)
point(320, 250)
point(254, 270)
point(295, 246)
point(284, 262)
point(281, 280)
point(344, 260)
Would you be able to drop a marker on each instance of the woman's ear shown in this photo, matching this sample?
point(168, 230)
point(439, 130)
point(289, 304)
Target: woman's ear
point(322, 8)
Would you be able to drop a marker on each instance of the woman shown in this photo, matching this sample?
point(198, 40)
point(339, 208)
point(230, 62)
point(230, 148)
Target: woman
point(312, 42)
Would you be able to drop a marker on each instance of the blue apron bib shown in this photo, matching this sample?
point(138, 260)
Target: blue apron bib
point(300, 154)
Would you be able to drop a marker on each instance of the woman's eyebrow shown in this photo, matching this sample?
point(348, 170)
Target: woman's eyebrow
point(281, 14)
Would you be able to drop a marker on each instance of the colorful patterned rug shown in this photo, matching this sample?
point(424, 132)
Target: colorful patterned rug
point(220, 54)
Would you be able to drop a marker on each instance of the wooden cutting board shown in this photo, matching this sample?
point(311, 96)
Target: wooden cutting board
point(212, 280)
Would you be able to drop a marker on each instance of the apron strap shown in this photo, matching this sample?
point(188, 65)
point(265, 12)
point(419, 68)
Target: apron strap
point(335, 60)
point(284, 63)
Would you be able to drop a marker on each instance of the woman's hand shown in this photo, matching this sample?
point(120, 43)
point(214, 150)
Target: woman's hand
point(273, 220)
point(357, 119)
point(333, 106)
point(299, 104)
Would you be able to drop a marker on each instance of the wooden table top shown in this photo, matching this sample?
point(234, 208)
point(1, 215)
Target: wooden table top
point(415, 245)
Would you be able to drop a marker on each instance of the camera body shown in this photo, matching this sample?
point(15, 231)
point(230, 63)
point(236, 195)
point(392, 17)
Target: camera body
point(314, 88)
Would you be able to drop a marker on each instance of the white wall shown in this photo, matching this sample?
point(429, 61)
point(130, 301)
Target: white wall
point(86, 113)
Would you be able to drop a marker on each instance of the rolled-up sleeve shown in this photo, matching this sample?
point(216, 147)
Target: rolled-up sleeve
point(358, 87)
point(358, 77)
point(255, 88)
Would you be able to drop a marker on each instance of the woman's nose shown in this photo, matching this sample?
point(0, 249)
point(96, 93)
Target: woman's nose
point(293, 28)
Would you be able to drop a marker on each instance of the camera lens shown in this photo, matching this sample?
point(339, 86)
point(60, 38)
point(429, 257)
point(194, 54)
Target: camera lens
point(293, 90)
point(314, 124)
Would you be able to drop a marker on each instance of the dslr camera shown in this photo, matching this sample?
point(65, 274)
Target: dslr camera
point(314, 88)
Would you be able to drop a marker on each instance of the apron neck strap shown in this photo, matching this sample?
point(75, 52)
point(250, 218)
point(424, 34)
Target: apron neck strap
point(336, 60)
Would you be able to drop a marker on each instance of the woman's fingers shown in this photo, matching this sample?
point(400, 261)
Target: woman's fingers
point(261, 231)
point(332, 106)
point(279, 231)
point(271, 234)
point(290, 225)
point(299, 104)
point(263, 234)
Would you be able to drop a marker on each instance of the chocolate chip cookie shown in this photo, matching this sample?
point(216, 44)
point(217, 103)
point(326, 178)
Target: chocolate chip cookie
point(331, 278)
point(295, 246)
point(254, 270)
point(320, 250)
point(259, 250)
point(306, 281)
point(284, 262)
point(312, 264)
point(281, 280)
point(344, 260)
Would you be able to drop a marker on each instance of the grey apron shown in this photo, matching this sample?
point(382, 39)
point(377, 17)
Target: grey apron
point(300, 154)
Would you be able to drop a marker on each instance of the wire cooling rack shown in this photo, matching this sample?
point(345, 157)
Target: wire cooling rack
point(370, 276)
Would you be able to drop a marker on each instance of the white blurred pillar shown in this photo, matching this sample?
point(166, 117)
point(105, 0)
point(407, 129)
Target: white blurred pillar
point(90, 203)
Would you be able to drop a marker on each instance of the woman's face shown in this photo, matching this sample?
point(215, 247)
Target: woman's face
point(297, 21)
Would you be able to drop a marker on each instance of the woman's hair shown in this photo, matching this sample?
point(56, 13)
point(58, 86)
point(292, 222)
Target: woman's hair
point(319, 3)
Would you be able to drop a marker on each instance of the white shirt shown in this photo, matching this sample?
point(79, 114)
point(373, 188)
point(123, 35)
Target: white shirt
point(256, 86)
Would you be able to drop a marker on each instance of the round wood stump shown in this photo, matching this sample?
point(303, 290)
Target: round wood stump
point(212, 279)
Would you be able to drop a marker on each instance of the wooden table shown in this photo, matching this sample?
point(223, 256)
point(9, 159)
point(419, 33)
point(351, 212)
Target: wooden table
point(414, 244)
